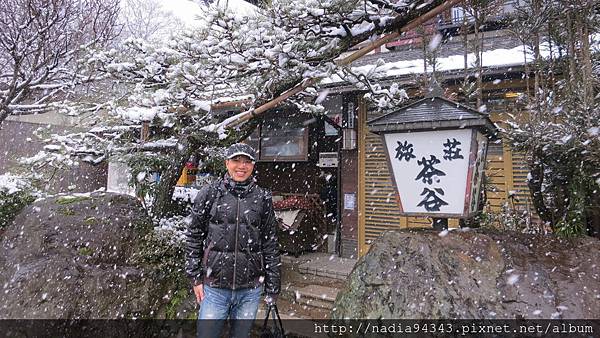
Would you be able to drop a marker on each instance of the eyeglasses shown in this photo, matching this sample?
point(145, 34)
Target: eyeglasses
point(237, 160)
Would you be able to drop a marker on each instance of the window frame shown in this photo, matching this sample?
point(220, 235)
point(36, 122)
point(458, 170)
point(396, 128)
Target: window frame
point(258, 144)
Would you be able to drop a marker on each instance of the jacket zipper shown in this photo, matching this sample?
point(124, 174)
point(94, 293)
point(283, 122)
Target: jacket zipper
point(237, 225)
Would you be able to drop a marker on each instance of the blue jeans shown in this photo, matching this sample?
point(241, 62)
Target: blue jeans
point(219, 304)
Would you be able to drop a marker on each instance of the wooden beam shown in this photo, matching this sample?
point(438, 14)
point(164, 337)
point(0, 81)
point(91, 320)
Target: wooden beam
point(345, 61)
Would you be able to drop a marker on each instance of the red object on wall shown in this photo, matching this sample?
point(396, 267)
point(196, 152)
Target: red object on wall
point(292, 202)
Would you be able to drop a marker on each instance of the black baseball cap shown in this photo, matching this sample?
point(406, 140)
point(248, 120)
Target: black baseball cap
point(240, 149)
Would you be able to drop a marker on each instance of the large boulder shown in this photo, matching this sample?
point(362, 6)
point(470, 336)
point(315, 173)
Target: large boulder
point(473, 274)
point(80, 257)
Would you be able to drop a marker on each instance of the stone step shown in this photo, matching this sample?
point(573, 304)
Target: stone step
point(319, 292)
point(290, 309)
point(323, 265)
point(322, 273)
point(262, 312)
point(316, 296)
point(311, 282)
point(312, 302)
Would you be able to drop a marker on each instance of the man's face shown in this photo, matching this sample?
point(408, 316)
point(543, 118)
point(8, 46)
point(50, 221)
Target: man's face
point(239, 168)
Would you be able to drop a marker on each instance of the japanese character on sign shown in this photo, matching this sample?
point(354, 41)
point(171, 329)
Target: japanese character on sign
point(428, 170)
point(404, 151)
point(432, 202)
point(452, 152)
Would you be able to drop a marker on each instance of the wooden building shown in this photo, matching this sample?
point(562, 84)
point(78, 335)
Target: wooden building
point(293, 150)
point(367, 183)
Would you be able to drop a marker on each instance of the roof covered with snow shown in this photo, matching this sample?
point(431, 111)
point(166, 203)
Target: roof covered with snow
point(501, 50)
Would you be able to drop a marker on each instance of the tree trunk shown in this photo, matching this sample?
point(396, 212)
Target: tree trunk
point(535, 186)
point(163, 202)
point(537, 70)
point(465, 38)
point(526, 66)
point(551, 80)
point(478, 57)
point(593, 215)
point(571, 53)
point(536, 59)
point(586, 59)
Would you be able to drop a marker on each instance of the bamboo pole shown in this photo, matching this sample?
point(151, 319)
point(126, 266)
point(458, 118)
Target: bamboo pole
point(345, 61)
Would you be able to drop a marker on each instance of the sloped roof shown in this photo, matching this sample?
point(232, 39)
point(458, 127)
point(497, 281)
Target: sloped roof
point(431, 113)
point(454, 46)
point(502, 53)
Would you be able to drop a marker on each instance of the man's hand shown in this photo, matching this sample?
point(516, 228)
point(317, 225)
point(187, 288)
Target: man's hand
point(271, 299)
point(199, 292)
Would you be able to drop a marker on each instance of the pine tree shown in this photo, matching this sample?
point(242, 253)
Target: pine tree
point(560, 131)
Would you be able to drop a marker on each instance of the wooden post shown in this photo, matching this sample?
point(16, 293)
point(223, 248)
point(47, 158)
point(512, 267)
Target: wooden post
point(360, 200)
point(145, 132)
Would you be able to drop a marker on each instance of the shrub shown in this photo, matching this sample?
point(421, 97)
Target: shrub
point(15, 194)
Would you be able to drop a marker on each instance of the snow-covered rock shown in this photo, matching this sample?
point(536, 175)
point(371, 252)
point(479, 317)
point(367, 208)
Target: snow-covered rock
point(85, 257)
point(472, 275)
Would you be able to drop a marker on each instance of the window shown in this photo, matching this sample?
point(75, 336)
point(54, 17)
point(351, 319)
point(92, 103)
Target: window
point(511, 6)
point(459, 13)
point(281, 139)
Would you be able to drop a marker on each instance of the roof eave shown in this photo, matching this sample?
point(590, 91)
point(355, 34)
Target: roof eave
point(484, 124)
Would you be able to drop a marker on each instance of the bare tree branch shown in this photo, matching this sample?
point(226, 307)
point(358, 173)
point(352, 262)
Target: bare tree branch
point(40, 41)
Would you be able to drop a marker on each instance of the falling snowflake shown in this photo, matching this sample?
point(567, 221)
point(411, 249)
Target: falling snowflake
point(512, 279)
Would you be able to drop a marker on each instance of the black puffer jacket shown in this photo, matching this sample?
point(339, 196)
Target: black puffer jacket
point(234, 243)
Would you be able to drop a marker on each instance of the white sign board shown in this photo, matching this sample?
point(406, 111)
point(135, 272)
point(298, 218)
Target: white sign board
point(349, 201)
point(431, 170)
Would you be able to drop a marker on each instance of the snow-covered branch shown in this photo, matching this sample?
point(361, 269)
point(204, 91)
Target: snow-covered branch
point(39, 43)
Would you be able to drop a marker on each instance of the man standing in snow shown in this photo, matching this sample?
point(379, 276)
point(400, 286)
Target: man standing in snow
point(232, 248)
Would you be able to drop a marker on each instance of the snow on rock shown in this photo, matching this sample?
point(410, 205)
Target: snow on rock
point(414, 274)
point(92, 265)
point(11, 184)
point(512, 279)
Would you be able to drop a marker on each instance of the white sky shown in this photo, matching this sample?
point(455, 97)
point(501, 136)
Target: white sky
point(188, 11)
